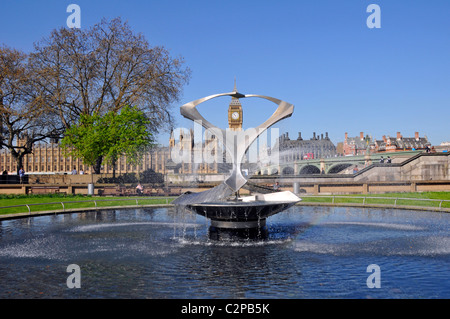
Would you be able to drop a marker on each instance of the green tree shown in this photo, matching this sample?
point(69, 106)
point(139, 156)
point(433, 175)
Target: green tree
point(104, 138)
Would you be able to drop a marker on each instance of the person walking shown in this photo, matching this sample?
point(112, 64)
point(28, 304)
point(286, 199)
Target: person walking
point(21, 175)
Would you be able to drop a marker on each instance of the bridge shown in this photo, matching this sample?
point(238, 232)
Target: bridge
point(422, 172)
point(332, 165)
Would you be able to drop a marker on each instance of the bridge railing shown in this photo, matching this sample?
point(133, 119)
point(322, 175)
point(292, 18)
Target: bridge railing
point(367, 200)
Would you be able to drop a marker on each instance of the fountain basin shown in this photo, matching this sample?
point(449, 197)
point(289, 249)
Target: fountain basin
point(245, 212)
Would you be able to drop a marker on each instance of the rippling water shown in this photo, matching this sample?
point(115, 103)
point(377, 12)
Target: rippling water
point(311, 252)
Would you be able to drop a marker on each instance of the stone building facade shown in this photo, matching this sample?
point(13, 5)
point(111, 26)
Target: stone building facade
point(361, 145)
point(300, 149)
point(48, 158)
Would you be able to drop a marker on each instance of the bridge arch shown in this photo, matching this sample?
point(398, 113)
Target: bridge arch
point(309, 169)
point(273, 171)
point(287, 171)
point(335, 169)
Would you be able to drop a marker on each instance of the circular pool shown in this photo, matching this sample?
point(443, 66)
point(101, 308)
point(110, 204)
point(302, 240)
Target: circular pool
point(310, 252)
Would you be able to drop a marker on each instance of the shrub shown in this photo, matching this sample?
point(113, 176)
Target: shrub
point(149, 176)
point(127, 178)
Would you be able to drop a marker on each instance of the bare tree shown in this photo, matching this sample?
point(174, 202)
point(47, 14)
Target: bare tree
point(24, 118)
point(105, 68)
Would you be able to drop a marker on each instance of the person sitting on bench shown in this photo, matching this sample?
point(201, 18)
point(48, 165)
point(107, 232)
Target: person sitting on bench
point(139, 189)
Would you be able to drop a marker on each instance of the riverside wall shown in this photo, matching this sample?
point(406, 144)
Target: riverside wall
point(420, 173)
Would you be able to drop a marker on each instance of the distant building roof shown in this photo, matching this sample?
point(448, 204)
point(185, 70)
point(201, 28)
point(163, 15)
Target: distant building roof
point(320, 146)
point(401, 142)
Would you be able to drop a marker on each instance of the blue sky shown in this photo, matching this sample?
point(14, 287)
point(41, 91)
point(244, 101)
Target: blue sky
point(317, 54)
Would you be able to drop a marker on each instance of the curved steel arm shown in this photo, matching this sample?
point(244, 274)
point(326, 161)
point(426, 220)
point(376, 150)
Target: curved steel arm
point(237, 150)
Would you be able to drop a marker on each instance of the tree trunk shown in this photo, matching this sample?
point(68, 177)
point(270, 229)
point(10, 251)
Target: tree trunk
point(19, 161)
point(114, 161)
point(98, 165)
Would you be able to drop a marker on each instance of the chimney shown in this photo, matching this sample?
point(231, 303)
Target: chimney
point(361, 136)
point(314, 135)
point(321, 136)
point(384, 138)
point(346, 135)
point(417, 136)
point(326, 136)
point(399, 136)
point(287, 135)
point(299, 136)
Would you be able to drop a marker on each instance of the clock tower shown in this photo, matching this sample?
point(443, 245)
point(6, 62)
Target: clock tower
point(235, 113)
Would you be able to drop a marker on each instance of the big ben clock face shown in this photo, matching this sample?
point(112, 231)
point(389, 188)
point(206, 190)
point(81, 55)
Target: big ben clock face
point(235, 115)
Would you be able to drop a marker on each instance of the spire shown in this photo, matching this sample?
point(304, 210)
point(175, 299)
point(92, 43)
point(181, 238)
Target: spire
point(236, 94)
point(235, 97)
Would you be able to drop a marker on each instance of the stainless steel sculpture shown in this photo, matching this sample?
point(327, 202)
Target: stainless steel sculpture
point(248, 212)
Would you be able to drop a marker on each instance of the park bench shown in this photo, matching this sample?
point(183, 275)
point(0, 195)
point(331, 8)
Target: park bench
point(161, 192)
point(44, 190)
point(111, 191)
point(176, 191)
point(147, 191)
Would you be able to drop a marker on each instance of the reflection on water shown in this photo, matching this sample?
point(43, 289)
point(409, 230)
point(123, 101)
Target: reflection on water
point(310, 252)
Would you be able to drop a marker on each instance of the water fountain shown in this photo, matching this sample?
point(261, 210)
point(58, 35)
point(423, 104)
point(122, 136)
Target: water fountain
point(230, 214)
point(158, 253)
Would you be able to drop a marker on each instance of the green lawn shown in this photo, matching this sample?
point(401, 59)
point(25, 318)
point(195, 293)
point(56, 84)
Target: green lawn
point(87, 201)
point(54, 202)
point(430, 199)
